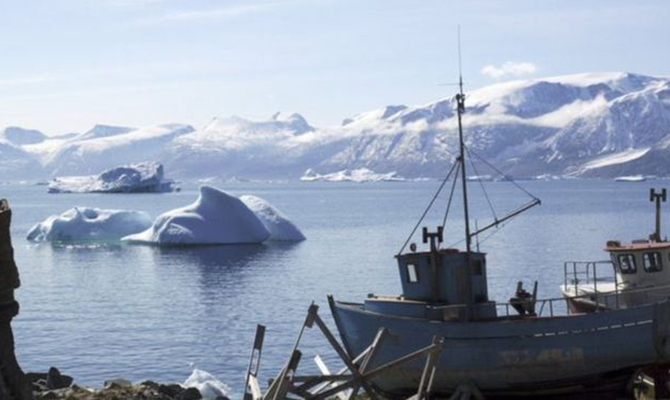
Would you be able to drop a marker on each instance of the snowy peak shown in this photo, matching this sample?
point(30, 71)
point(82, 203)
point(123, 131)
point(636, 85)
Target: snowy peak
point(591, 124)
point(21, 136)
point(292, 122)
point(101, 131)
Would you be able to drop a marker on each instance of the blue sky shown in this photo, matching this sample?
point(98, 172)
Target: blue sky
point(68, 64)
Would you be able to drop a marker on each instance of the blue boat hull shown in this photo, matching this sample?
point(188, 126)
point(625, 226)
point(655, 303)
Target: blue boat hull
point(506, 355)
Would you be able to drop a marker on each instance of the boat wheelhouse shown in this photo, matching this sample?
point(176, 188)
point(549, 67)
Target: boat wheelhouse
point(636, 273)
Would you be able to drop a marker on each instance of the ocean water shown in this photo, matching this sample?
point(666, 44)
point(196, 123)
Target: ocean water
point(105, 311)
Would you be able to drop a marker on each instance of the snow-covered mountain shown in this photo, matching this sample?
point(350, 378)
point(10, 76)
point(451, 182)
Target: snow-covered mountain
point(586, 125)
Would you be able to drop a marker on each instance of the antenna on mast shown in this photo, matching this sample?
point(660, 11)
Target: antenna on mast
point(460, 66)
point(460, 100)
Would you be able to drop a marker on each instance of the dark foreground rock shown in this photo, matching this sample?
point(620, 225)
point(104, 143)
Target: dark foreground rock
point(13, 383)
point(117, 389)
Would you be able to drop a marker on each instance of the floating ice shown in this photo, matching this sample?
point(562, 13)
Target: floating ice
point(208, 386)
point(215, 218)
point(279, 226)
point(631, 178)
point(356, 175)
point(135, 178)
point(89, 224)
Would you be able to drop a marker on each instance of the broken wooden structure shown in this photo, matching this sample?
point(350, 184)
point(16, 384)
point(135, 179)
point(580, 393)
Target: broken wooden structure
point(344, 384)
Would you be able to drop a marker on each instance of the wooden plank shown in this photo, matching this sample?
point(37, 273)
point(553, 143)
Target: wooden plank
point(377, 371)
point(369, 358)
point(254, 360)
point(344, 356)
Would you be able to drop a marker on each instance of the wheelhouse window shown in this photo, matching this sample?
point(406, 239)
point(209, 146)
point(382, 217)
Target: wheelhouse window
point(652, 262)
point(627, 264)
point(412, 273)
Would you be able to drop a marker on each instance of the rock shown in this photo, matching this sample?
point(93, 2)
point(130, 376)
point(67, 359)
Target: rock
point(55, 380)
point(190, 394)
point(117, 383)
point(36, 376)
point(13, 382)
point(222, 398)
point(47, 395)
point(150, 384)
point(172, 390)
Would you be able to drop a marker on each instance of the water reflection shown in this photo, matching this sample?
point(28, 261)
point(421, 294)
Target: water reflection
point(225, 267)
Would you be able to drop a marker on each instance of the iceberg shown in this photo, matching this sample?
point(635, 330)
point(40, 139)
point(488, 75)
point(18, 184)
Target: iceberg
point(279, 226)
point(145, 177)
point(214, 218)
point(208, 386)
point(631, 178)
point(89, 224)
point(356, 175)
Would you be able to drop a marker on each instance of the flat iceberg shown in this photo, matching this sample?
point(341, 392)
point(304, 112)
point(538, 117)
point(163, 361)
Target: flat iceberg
point(356, 175)
point(279, 226)
point(89, 224)
point(631, 178)
point(145, 177)
point(215, 218)
point(208, 386)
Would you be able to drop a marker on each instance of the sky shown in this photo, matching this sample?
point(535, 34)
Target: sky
point(66, 65)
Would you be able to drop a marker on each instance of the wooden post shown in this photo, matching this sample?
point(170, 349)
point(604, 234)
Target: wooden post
point(428, 374)
point(251, 392)
point(343, 354)
point(369, 358)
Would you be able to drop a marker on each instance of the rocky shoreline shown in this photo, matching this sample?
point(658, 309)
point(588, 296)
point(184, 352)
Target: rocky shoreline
point(54, 385)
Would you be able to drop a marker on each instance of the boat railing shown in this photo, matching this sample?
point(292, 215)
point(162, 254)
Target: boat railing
point(556, 306)
point(576, 272)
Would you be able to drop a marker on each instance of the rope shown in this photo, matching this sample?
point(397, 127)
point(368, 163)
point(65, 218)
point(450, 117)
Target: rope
point(429, 206)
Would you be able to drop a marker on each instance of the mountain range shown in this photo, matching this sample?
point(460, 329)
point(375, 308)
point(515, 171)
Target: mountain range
point(583, 125)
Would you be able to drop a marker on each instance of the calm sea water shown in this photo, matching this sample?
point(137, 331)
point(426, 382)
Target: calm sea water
point(137, 312)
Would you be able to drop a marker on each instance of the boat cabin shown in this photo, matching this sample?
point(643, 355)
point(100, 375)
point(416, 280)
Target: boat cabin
point(641, 272)
point(444, 284)
point(640, 263)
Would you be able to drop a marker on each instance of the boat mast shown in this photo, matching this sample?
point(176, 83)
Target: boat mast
point(460, 100)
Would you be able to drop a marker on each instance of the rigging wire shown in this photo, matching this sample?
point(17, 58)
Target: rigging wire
point(458, 162)
point(451, 196)
point(481, 184)
point(505, 176)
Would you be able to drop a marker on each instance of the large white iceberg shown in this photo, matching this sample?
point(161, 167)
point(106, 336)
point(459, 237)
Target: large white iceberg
point(89, 224)
point(280, 227)
point(355, 175)
point(215, 218)
point(145, 177)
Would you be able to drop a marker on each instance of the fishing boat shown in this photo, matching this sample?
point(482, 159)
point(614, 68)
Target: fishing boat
point(525, 346)
point(636, 273)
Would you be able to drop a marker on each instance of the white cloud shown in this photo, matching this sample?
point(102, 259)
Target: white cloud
point(509, 69)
